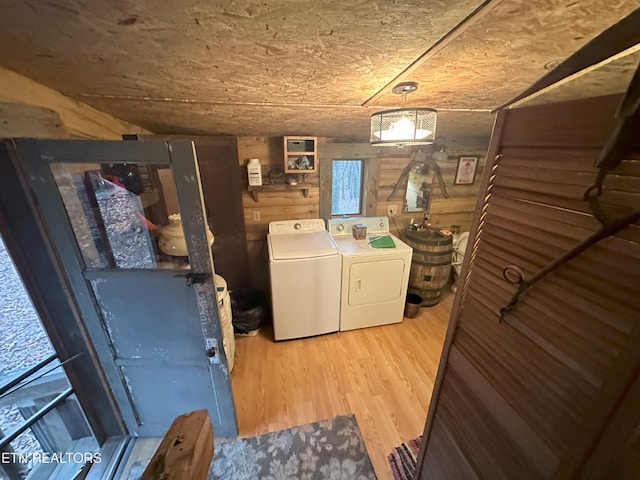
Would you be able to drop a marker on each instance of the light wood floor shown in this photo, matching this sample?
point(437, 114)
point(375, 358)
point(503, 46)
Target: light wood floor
point(383, 375)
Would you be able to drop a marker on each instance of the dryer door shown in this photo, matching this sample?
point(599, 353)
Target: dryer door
point(375, 282)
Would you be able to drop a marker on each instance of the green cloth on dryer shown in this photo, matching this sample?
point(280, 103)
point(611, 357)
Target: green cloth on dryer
point(383, 241)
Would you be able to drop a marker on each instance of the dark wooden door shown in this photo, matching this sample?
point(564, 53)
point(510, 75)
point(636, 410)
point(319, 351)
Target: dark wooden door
point(222, 189)
point(545, 392)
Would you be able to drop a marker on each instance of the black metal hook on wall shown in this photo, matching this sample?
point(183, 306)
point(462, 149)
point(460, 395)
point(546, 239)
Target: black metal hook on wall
point(524, 286)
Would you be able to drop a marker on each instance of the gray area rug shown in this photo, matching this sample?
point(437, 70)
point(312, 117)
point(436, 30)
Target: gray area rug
point(327, 450)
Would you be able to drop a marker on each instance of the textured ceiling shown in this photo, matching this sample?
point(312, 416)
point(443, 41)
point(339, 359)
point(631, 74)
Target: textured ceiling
point(272, 68)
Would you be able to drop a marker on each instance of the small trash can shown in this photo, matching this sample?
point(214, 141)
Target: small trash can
point(413, 305)
point(250, 311)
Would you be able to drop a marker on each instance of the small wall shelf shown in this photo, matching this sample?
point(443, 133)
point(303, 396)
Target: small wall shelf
point(281, 187)
point(300, 154)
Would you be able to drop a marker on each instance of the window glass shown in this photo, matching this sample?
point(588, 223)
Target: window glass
point(119, 215)
point(346, 187)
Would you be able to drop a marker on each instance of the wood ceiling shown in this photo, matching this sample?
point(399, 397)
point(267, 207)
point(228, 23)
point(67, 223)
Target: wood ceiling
point(321, 67)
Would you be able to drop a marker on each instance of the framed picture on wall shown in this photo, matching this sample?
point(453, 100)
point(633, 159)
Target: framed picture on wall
point(466, 171)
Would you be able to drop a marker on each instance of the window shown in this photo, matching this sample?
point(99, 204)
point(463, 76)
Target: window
point(346, 187)
point(36, 417)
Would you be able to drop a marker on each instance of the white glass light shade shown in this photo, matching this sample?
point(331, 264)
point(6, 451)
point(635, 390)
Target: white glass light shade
point(404, 126)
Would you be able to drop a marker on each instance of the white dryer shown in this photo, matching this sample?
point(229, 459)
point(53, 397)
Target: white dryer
point(305, 271)
point(374, 280)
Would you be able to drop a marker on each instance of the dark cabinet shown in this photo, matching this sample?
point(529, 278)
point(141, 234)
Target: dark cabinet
point(220, 175)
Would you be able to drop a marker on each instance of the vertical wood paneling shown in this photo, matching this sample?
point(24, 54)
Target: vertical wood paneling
point(547, 379)
point(325, 169)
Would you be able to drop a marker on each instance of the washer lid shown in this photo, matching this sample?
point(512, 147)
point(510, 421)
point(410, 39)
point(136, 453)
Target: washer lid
point(302, 245)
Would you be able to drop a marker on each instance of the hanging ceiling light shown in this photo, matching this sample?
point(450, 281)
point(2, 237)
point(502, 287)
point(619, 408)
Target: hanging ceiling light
point(404, 126)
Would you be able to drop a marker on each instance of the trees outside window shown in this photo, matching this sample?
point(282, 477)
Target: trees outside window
point(346, 187)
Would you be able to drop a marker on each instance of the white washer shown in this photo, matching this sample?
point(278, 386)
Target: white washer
point(374, 280)
point(305, 271)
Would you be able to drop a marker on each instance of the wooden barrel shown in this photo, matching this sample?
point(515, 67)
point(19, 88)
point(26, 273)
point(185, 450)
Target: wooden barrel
point(431, 263)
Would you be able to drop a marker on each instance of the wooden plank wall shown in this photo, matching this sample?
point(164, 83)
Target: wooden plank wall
point(455, 210)
point(271, 206)
point(385, 171)
point(531, 397)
